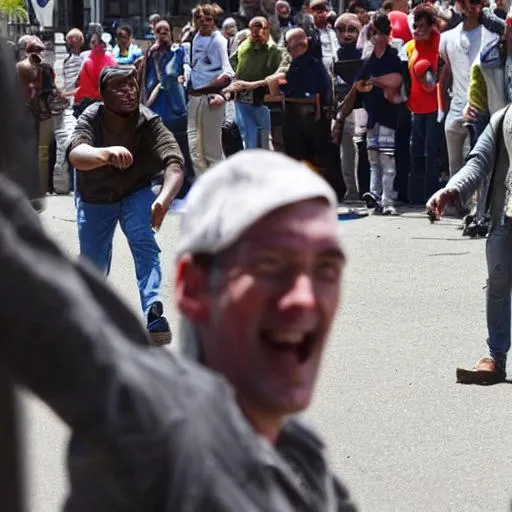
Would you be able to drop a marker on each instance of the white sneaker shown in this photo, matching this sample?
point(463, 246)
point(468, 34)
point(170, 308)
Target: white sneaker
point(389, 210)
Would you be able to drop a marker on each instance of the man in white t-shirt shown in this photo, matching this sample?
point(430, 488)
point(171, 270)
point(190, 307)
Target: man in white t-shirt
point(211, 72)
point(459, 48)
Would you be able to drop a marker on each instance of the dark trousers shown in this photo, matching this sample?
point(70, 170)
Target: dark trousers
point(179, 130)
point(308, 140)
point(425, 167)
point(363, 165)
point(476, 127)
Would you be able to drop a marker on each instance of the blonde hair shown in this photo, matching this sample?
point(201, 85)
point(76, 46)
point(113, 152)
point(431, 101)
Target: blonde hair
point(75, 32)
point(213, 10)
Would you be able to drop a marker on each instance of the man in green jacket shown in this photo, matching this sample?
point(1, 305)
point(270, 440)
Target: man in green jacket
point(255, 59)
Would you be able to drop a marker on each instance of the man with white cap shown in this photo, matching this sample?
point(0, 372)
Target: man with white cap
point(259, 290)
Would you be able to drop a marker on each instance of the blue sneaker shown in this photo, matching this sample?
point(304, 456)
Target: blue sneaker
point(158, 326)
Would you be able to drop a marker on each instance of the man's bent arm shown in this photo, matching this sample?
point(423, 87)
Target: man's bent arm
point(62, 343)
point(87, 158)
point(166, 149)
point(173, 179)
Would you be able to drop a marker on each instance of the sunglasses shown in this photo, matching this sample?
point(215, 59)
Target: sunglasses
point(350, 29)
point(319, 8)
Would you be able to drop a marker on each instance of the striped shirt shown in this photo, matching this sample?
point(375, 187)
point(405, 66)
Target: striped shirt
point(71, 69)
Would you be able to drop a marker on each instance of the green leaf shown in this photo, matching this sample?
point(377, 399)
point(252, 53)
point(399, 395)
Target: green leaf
point(15, 10)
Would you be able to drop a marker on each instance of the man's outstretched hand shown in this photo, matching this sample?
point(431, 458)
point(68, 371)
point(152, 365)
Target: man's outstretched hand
point(438, 201)
point(158, 212)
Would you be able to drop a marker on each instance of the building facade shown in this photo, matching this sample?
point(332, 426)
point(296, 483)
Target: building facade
point(79, 13)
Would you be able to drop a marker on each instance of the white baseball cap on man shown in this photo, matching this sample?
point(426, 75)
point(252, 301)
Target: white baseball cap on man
point(235, 194)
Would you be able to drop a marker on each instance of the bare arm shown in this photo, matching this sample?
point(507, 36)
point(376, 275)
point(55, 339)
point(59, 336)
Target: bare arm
point(443, 86)
point(173, 179)
point(166, 149)
point(88, 158)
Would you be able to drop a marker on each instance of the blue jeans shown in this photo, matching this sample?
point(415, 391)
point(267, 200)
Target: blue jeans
point(253, 122)
point(96, 226)
point(499, 285)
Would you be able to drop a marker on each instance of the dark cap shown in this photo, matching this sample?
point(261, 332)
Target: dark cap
point(112, 73)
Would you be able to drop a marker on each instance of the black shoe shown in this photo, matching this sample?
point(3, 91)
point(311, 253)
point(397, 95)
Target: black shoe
point(471, 230)
point(370, 200)
point(482, 229)
point(158, 326)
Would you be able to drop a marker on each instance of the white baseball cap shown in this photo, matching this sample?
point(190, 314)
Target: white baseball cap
point(233, 195)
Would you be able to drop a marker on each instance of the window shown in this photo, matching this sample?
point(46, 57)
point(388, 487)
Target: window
point(112, 8)
point(134, 8)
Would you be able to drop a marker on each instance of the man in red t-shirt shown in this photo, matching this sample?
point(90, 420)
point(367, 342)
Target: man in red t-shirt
point(88, 80)
point(422, 55)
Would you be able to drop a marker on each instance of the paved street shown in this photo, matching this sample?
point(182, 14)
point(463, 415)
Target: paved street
point(401, 433)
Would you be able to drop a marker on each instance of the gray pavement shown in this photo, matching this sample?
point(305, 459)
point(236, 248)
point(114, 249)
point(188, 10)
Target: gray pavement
point(401, 433)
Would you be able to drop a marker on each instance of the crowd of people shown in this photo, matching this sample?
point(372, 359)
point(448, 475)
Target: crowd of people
point(395, 78)
point(363, 97)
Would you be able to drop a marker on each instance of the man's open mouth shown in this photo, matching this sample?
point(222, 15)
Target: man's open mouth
point(289, 341)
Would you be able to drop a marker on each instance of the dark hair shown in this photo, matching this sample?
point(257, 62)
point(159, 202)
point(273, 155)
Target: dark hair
point(331, 18)
point(425, 12)
point(125, 28)
point(381, 22)
point(362, 4)
point(388, 6)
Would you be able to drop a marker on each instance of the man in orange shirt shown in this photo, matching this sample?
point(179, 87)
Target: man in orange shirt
point(422, 55)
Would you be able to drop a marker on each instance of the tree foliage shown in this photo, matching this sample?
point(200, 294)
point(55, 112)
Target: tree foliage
point(16, 10)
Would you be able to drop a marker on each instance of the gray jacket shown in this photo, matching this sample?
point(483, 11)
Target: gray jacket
point(152, 432)
point(488, 160)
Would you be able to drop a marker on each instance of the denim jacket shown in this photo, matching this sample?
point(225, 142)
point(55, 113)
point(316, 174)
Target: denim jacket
point(164, 69)
point(488, 159)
